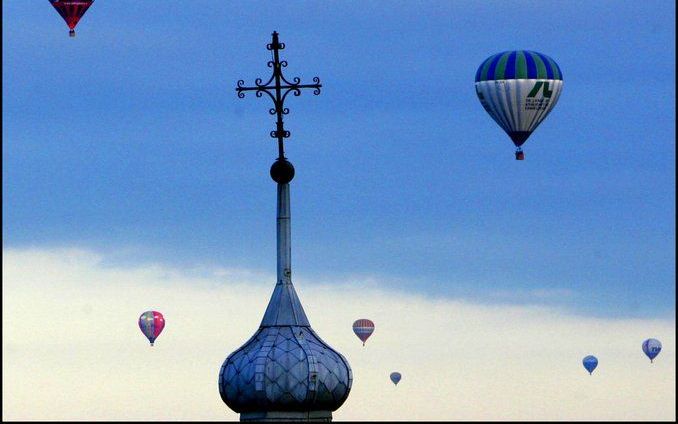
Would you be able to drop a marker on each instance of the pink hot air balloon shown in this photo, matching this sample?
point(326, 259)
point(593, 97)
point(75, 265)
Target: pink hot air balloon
point(151, 324)
point(363, 328)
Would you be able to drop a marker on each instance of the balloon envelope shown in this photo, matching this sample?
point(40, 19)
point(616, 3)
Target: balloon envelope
point(71, 10)
point(652, 347)
point(519, 89)
point(363, 328)
point(395, 377)
point(151, 324)
point(590, 363)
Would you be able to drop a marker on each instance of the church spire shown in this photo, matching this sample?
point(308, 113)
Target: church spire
point(285, 371)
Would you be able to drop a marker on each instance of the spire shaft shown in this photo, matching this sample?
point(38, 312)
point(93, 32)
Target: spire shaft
point(284, 235)
point(284, 308)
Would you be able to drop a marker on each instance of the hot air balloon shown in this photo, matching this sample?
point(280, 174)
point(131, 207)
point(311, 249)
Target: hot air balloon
point(590, 363)
point(71, 11)
point(151, 324)
point(395, 377)
point(363, 328)
point(519, 89)
point(652, 347)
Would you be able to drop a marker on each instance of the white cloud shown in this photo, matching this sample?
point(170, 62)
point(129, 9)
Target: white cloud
point(532, 294)
point(72, 348)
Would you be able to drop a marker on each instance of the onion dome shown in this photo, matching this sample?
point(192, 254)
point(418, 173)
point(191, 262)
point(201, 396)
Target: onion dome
point(285, 371)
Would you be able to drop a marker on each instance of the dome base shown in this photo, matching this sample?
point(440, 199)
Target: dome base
point(308, 416)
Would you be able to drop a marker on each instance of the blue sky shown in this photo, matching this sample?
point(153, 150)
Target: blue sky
point(130, 139)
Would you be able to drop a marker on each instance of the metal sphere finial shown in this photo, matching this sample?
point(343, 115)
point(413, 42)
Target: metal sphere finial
point(282, 171)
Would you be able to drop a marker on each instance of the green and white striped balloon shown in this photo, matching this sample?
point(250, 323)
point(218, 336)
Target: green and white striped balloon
point(519, 89)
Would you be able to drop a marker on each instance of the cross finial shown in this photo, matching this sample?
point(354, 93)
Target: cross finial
point(278, 87)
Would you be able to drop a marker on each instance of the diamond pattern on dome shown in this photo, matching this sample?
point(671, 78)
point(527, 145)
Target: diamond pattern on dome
point(285, 368)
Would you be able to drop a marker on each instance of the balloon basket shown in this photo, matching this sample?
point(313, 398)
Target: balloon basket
point(71, 33)
point(520, 155)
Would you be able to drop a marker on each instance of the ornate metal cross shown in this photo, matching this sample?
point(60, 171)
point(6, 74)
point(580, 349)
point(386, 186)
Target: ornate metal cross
point(281, 88)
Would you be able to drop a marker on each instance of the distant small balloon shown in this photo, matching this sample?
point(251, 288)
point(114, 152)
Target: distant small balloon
point(363, 328)
point(652, 347)
point(395, 377)
point(151, 324)
point(590, 363)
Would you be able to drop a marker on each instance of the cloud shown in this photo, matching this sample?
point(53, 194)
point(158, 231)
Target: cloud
point(72, 349)
point(543, 294)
